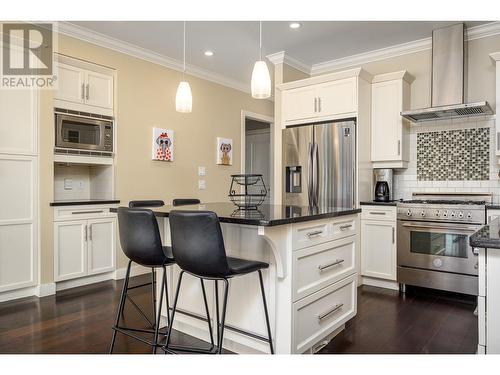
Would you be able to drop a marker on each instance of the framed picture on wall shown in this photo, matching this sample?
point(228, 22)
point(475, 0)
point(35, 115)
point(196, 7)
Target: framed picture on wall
point(224, 151)
point(163, 144)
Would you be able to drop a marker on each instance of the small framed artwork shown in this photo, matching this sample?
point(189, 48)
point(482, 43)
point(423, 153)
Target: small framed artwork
point(224, 151)
point(163, 144)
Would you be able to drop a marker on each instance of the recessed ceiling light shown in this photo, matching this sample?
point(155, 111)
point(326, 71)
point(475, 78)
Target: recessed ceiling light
point(295, 25)
point(209, 53)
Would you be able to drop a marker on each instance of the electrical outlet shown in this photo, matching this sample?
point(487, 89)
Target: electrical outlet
point(202, 184)
point(68, 184)
point(201, 171)
point(81, 185)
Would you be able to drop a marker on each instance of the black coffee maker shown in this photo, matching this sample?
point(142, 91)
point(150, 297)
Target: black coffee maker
point(383, 184)
point(382, 193)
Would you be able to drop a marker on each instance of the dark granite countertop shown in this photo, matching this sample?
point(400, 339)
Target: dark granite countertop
point(267, 215)
point(491, 206)
point(374, 203)
point(81, 202)
point(488, 236)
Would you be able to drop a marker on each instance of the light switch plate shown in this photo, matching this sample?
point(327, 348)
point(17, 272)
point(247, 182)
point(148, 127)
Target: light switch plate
point(68, 184)
point(201, 171)
point(202, 184)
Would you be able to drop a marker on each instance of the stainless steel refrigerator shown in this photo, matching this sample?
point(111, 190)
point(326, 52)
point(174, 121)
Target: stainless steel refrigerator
point(319, 164)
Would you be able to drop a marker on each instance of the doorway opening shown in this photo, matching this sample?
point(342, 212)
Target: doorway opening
point(257, 149)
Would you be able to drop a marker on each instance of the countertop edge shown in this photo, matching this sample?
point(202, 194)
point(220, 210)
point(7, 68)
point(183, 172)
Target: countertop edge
point(478, 239)
point(84, 203)
point(373, 203)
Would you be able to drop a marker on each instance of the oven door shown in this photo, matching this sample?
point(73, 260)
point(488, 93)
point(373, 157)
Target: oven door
point(436, 246)
point(80, 132)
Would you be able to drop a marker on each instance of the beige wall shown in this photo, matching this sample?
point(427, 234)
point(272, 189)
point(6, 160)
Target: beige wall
point(481, 71)
point(145, 98)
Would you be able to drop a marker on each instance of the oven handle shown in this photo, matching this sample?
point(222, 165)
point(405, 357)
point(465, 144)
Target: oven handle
point(462, 229)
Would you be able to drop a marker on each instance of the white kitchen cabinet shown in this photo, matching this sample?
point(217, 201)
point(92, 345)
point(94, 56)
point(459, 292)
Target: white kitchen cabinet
point(321, 98)
point(378, 245)
point(83, 86)
point(390, 131)
point(492, 214)
point(70, 249)
point(86, 246)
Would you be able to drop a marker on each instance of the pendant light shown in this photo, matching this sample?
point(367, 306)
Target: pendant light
point(184, 98)
point(261, 81)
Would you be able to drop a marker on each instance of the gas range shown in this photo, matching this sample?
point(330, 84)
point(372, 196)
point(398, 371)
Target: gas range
point(463, 208)
point(433, 240)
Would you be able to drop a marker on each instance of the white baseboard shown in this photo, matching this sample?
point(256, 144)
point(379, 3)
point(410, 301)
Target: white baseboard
point(135, 271)
point(18, 293)
point(387, 284)
point(44, 290)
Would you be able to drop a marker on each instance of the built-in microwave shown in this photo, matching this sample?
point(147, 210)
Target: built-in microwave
point(84, 133)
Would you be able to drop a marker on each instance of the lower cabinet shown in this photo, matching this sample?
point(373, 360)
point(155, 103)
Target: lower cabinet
point(378, 245)
point(84, 247)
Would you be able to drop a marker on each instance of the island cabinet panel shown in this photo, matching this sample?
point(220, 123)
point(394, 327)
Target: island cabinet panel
point(319, 266)
point(323, 312)
point(317, 232)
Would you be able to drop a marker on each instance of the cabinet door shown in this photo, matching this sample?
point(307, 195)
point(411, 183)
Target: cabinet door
point(101, 245)
point(70, 249)
point(378, 249)
point(70, 84)
point(386, 121)
point(99, 90)
point(337, 97)
point(492, 215)
point(298, 104)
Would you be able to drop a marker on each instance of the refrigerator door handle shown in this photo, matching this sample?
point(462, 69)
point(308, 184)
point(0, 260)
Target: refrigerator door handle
point(309, 175)
point(315, 174)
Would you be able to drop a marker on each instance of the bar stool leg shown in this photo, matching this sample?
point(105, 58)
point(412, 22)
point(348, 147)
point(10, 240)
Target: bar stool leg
point(208, 314)
point(173, 310)
point(166, 297)
point(217, 308)
point(265, 311)
point(223, 318)
point(157, 319)
point(120, 306)
point(153, 294)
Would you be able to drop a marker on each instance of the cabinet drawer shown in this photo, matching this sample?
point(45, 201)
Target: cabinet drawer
point(378, 213)
point(312, 233)
point(81, 212)
point(481, 320)
point(321, 313)
point(319, 266)
point(345, 228)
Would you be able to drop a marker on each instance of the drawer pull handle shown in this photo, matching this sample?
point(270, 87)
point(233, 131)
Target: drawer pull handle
point(345, 227)
point(337, 262)
point(87, 212)
point(377, 213)
point(330, 312)
point(315, 233)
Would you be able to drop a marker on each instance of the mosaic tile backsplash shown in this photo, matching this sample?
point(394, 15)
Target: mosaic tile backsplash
point(454, 155)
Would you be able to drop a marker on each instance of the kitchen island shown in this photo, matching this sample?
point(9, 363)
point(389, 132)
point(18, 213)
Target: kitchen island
point(310, 285)
point(486, 245)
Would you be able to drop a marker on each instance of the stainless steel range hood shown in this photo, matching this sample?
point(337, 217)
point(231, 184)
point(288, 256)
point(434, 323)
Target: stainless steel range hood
point(449, 78)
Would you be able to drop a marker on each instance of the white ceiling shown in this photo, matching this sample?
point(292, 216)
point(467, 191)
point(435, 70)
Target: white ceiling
point(236, 44)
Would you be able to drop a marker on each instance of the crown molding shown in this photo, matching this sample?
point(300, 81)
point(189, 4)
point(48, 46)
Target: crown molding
point(282, 58)
point(133, 50)
point(476, 32)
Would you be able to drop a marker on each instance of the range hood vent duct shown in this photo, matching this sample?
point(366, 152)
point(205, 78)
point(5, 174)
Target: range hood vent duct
point(449, 78)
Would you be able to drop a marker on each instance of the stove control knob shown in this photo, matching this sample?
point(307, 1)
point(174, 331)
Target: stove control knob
point(469, 215)
point(409, 213)
point(460, 215)
point(453, 214)
point(445, 214)
point(437, 262)
point(437, 213)
point(422, 213)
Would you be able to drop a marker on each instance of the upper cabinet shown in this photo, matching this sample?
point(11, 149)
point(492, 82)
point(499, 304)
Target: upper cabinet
point(495, 58)
point(83, 86)
point(321, 98)
point(390, 146)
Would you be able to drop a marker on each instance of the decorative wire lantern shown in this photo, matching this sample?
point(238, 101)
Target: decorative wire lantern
point(247, 191)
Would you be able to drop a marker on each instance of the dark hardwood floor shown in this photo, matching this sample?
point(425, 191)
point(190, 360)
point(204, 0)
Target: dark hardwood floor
point(80, 320)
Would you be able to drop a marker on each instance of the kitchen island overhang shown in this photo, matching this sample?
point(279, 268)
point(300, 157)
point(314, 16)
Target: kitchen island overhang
point(310, 285)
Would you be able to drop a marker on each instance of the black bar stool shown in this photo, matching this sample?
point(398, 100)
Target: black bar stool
point(141, 204)
point(141, 243)
point(198, 248)
point(185, 201)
